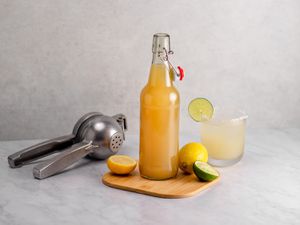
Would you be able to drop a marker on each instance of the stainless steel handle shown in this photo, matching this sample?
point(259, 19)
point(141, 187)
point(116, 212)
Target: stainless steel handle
point(39, 150)
point(63, 160)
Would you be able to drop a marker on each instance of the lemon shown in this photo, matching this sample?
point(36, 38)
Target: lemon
point(200, 109)
point(121, 164)
point(189, 154)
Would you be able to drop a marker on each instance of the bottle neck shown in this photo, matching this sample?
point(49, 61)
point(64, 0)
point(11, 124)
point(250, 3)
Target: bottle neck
point(160, 72)
point(157, 58)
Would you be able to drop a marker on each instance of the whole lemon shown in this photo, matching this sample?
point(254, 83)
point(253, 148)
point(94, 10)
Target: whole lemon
point(191, 153)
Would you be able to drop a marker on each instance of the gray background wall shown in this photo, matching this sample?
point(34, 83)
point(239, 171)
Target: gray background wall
point(60, 59)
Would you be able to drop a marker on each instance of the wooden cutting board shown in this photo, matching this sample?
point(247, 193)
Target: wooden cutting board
point(180, 187)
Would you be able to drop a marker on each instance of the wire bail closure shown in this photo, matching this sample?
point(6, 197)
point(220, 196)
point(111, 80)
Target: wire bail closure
point(175, 74)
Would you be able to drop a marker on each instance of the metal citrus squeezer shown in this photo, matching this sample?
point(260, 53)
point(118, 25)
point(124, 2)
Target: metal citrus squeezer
point(94, 135)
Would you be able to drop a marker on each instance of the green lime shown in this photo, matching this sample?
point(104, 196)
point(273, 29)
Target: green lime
point(200, 109)
point(204, 171)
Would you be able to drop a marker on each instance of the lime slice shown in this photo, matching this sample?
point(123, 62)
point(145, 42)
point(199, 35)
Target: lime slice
point(200, 109)
point(204, 171)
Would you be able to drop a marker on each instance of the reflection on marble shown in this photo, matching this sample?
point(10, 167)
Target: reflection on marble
point(263, 188)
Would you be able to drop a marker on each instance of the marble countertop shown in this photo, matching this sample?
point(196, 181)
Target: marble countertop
point(263, 188)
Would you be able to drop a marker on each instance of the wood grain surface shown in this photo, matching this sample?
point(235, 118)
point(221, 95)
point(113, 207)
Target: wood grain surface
point(180, 187)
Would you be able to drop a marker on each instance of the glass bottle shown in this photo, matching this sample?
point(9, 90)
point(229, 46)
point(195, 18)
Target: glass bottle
point(159, 117)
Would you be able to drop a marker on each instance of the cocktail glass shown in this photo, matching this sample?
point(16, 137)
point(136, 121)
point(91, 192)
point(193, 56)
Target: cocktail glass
point(224, 137)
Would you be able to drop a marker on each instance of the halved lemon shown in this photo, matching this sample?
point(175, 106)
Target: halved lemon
point(200, 109)
point(121, 164)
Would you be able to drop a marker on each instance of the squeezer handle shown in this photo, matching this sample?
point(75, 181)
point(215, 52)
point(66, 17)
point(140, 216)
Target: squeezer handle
point(40, 150)
point(62, 161)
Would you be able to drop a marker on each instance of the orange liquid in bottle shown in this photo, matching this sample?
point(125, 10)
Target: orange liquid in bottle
point(159, 125)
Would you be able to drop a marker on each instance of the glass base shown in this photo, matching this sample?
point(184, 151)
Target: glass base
point(224, 162)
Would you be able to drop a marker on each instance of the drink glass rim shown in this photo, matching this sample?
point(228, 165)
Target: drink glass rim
point(225, 116)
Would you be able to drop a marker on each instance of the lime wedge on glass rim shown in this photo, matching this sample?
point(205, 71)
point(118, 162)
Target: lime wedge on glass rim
point(200, 109)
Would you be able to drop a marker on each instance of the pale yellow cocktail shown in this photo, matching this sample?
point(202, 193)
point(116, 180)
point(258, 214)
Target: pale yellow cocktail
point(224, 139)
